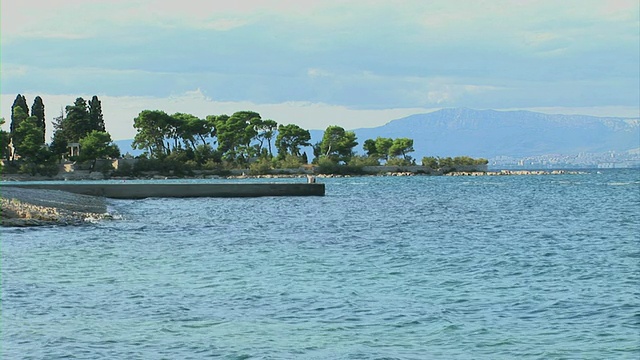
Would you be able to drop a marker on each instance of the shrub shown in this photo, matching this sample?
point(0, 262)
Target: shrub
point(211, 164)
point(289, 162)
point(49, 168)
point(10, 168)
point(328, 166)
point(430, 162)
point(260, 167)
point(124, 169)
point(397, 161)
point(105, 167)
point(27, 168)
point(361, 161)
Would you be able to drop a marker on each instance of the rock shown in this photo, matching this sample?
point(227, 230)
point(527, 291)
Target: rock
point(35, 207)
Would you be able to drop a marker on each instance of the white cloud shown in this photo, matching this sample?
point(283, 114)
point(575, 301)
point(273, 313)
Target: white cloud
point(119, 111)
point(446, 91)
point(315, 72)
point(361, 52)
point(224, 24)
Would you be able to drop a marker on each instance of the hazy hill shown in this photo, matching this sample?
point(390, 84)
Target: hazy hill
point(490, 133)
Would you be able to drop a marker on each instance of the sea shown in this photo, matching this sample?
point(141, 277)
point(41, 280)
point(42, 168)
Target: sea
point(422, 267)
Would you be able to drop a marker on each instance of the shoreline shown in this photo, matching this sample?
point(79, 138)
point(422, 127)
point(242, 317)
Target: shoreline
point(35, 207)
point(77, 176)
point(20, 207)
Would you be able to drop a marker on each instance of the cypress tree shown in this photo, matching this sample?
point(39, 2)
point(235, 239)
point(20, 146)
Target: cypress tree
point(37, 110)
point(95, 114)
point(18, 115)
point(20, 101)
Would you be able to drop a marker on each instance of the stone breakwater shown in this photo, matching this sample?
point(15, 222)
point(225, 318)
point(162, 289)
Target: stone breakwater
point(514, 172)
point(35, 207)
point(133, 190)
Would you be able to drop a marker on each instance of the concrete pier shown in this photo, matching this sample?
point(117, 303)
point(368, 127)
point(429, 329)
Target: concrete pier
point(142, 190)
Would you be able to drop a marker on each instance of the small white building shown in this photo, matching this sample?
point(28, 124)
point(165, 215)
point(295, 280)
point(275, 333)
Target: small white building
point(74, 149)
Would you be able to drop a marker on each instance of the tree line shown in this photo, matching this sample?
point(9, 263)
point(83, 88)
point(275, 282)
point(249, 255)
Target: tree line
point(24, 146)
point(244, 137)
point(183, 141)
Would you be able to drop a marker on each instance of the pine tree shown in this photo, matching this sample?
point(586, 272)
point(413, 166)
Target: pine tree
point(37, 110)
point(95, 114)
point(20, 101)
point(77, 124)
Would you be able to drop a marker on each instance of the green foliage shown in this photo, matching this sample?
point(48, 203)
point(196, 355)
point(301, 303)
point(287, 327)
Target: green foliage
point(152, 126)
point(205, 152)
point(77, 124)
point(37, 110)
point(235, 133)
point(446, 162)
point(360, 161)
point(468, 161)
point(105, 168)
point(20, 102)
point(317, 152)
point(451, 163)
point(42, 163)
point(10, 168)
point(401, 147)
point(192, 130)
point(97, 145)
point(81, 119)
point(124, 169)
point(96, 118)
point(18, 116)
point(337, 144)
point(327, 166)
point(369, 146)
point(382, 147)
point(213, 165)
point(386, 148)
point(59, 145)
point(289, 162)
point(5, 138)
point(290, 138)
point(266, 130)
point(28, 139)
point(261, 167)
point(430, 162)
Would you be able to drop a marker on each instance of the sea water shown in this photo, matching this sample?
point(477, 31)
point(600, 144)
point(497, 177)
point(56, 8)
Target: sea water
point(501, 267)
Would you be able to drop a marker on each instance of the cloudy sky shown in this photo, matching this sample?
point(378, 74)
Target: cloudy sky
point(356, 63)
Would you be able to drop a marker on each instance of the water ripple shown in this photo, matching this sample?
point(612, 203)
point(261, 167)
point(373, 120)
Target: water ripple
point(380, 268)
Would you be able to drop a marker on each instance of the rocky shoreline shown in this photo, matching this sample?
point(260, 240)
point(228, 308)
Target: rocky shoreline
point(34, 207)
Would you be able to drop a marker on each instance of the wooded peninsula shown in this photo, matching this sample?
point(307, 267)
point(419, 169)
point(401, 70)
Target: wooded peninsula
point(181, 143)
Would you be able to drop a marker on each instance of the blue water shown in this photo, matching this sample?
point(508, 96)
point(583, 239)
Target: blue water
point(526, 267)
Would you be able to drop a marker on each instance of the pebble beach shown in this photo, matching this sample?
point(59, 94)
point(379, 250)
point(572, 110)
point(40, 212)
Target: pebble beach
point(35, 207)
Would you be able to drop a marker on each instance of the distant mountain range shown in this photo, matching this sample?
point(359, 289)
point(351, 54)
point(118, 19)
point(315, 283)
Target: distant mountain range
point(491, 133)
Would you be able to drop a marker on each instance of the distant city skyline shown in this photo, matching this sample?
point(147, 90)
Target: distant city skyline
point(317, 63)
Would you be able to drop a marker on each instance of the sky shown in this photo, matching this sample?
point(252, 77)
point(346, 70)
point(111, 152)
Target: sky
point(356, 63)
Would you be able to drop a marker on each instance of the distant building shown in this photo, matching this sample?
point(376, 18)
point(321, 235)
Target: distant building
point(74, 149)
